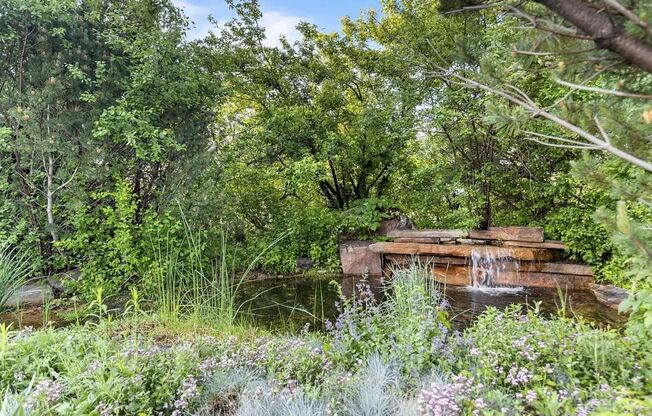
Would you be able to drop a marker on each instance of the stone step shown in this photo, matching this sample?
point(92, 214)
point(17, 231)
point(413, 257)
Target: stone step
point(551, 244)
point(525, 266)
point(530, 234)
point(519, 253)
point(428, 234)
point(461, 276)
point(406, 259)
point(558, 268)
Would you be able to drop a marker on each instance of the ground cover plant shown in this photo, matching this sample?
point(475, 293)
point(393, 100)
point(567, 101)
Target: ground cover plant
point(381, 357)
point(142, 169)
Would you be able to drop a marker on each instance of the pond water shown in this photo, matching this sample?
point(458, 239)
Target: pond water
point(304, 300)
point(291, 303)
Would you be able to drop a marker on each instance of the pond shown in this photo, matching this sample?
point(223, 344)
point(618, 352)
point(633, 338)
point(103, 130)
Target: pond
point(302, 300)
point(291, 303)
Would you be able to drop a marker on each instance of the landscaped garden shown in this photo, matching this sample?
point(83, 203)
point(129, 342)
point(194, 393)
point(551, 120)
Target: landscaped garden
point(396, 356)
point(427, 208)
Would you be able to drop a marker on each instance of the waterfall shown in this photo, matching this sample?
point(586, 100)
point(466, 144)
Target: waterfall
point(487, 267)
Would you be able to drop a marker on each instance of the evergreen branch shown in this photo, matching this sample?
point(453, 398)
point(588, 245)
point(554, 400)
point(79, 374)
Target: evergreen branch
point(631, 16)
point(562, 139)
point(603, 90)
point(538, 111)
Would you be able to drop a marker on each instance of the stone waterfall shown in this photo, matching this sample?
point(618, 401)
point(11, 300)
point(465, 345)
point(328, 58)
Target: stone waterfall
point(488, 268)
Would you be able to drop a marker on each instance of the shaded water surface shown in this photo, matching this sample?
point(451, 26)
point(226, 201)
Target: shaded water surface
point(291, 303)
point(310, 300)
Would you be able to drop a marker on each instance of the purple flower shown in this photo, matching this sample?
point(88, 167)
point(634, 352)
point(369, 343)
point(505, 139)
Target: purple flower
point(48, 391)
point(519, 376)
point(443, 399)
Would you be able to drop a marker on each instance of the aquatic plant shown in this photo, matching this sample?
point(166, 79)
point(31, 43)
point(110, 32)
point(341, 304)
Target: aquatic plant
point(15, 269)
point(186, 288)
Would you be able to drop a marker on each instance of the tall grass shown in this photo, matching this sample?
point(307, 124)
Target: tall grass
point(192, 287)
point(15, 269)
point(414, 289)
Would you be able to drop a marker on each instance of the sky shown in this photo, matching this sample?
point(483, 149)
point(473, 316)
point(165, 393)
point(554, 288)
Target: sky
point(279, 16)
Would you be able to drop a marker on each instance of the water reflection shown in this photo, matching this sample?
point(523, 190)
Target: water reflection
point(291, 303)
point(310, 300)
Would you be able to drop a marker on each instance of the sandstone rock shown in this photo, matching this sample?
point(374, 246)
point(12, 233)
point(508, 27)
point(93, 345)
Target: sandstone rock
point(451, 275)
point(405, 259)
point(531, 234)
point(431, 240)
point(358, 259)
point(529, 254)
point(428, 234)
point(609, 295)
point(560, 268)
point(553, 280)
point(552, 244)
point(471, 241)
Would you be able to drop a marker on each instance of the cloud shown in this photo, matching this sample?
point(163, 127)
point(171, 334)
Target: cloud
point(198, 15)
point(276, 23)
point(279, 24)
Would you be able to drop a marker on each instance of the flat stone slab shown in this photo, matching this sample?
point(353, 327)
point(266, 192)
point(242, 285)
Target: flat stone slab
point(553, 280)
point(558, 268)
point(609, 295)
point(551, 244)
point(428, 234)
point(426, 240)
point(406, 259)
point(531, 234)
point(528, 254)
point(31, 294)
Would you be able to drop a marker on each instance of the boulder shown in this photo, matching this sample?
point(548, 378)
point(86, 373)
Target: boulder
point(399, 222)
point(32, 294)
point(459, 250)
point(609, 295)
point(358, 260)
point(304, 264)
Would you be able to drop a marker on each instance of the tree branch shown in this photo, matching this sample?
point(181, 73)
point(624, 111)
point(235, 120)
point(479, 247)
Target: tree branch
point(538, 111)
point(603, 91)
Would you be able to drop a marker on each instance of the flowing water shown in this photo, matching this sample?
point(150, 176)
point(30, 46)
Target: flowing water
point(488, 267)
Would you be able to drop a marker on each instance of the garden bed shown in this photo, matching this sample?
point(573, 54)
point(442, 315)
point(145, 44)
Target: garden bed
point(397, 356)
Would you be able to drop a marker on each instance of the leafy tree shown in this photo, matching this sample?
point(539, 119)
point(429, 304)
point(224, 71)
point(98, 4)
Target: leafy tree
point(331, 109)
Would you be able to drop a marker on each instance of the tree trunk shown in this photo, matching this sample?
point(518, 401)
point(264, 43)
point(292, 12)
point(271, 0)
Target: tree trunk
point(49, 199)
point(485, 189)
point(604, 31)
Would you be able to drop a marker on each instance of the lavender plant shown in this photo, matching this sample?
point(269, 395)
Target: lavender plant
point(410, 325)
